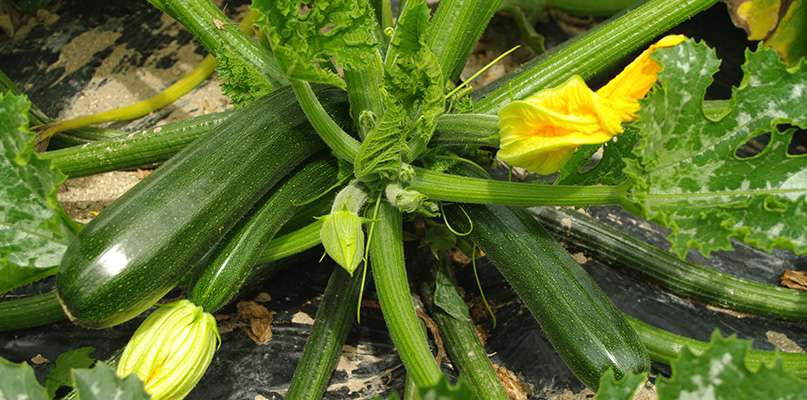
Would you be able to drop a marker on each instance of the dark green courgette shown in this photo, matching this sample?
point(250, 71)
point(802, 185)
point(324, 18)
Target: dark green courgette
point(324, 346)
point(222, 278)
point(677, 276)
point(142, 244)
point(140, 149)
point(30, 311)
point(581, 322)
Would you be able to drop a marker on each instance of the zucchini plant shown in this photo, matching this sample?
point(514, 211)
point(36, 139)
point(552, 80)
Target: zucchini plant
point(353, 129)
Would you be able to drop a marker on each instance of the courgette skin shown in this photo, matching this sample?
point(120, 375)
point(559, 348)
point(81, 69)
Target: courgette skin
point(222, 278)
point(663, 268)
point(580, 321)
point(141, 245)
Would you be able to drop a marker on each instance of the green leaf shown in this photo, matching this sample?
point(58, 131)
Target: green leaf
point(242, 82)
point(60, 375)
point(720, 373)
point(608, 169)
point(101, 383)
point(306, 35)
point(447, 298)
point(413, 99)
point(33, 227)
point(686, 174)
point(444, 390)
point(623, 389)
point(17, 381)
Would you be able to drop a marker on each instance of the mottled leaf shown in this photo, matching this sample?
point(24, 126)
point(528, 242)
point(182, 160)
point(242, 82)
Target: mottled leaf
point(686, 173)
point(623, 389)
point(307, 35)
point(60, 374)
point(101, 383)
point(33, 228)
point(582, 169)
point(17, 381)
point(720, 373)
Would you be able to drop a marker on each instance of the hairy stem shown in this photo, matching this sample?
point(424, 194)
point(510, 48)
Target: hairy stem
point(397, 305)
point(592, 53)
point(461, 189)
point(343, 145)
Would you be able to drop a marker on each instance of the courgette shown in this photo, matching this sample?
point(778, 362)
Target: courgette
point(583, 325)
point(222, 278)
point(142, 244)
point(677, 276)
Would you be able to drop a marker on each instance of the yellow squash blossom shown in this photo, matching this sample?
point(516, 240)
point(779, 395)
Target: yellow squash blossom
point(541, 132)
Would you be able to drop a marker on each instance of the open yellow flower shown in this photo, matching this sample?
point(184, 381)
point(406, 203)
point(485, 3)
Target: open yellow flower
point(541, 132)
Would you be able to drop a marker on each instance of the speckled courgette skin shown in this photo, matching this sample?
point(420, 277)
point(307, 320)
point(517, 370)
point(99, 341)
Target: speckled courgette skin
point(142, 244)
point(581, 322)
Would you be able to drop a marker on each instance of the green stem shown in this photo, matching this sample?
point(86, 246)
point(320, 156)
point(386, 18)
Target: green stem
point(461, 189)
point(331, 326)
point(343, 145)
point(454, 30)
point(592, 53)
point(466, 129)
point(143, 148)
point(665, 347)
point(292, 243)
point(364, 92)
point(221, 37)
point(466, 351)
point(30, 312)
point(594, 8)
point(410, 389)
point(397, 305)
point(671, 273)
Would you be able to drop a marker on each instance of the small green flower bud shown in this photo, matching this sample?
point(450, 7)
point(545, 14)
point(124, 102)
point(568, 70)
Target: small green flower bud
point(343, 238)
point(171, 350)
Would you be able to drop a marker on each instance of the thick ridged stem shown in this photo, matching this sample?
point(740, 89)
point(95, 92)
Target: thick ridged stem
point(593, 52)
point(461, 189)
point(397, 305)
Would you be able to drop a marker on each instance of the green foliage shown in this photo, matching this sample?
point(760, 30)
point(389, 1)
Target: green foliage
point(622, 389)
point(608, 169)
point(413, 99)
point(60, 375)
point(686, 174)
point(720, 373)
point(241, 81)
point(307, 35)
point(341, 233)
point(101, 383)
point(444, 390)
point(33, 227)
point(447, 298)
point(17, 381)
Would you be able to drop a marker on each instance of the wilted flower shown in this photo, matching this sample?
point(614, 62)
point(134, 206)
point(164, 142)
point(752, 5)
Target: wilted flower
point(171, 350)
point(541, 132)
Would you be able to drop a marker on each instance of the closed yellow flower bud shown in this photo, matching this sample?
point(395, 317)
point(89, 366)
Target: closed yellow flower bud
point(171, 350)
point(541, 132)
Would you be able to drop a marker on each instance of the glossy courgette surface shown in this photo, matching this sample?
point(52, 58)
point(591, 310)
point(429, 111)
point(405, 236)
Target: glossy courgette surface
point(236, 255)
point(143, 243)
point(583, 325)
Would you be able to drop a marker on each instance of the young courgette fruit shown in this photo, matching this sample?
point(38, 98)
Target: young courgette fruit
point(581, 322)
point(141, 245)
point(235, 257)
